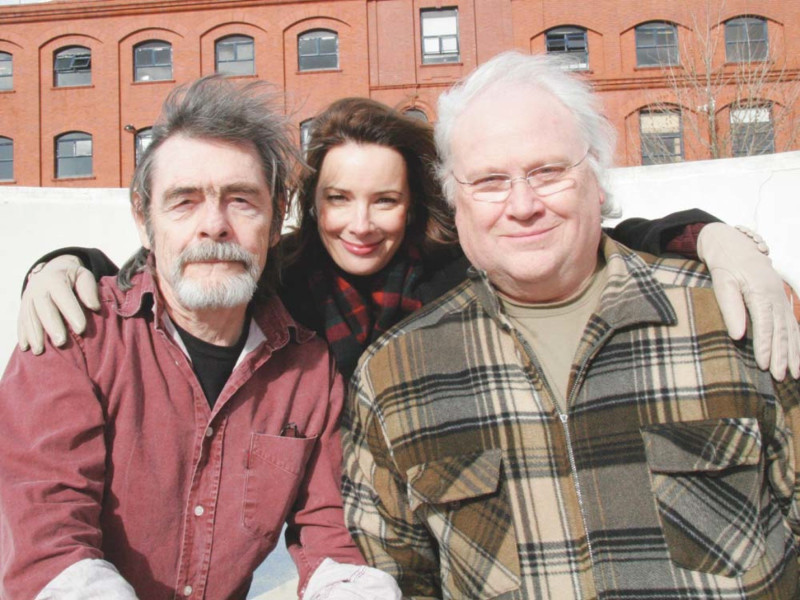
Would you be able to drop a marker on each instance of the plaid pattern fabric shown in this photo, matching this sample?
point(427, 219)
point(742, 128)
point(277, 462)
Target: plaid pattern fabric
point(672, 475)
point(357, 314)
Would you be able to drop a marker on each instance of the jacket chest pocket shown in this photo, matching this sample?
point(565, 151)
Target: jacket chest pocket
point(707, 478)
point(275, 468)
point(468, 511)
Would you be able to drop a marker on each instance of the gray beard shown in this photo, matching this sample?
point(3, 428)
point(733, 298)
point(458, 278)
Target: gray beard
point(199, 294)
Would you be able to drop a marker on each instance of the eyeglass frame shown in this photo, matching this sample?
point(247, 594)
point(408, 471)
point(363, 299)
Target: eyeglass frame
point(527, 178)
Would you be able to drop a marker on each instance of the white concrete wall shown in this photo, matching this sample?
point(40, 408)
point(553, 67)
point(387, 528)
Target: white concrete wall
point(760, 192)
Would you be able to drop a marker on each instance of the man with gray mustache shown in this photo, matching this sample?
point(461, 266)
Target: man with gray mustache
point(160, 456)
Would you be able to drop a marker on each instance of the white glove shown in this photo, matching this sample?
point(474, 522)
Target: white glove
point(742, 274)
point(338, 581)
point(50, 297)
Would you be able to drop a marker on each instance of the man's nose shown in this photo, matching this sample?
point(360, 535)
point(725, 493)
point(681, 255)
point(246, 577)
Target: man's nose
point(523, 201)
point(214, 224)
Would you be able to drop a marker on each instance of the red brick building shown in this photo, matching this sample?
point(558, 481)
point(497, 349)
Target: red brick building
point(82, 80)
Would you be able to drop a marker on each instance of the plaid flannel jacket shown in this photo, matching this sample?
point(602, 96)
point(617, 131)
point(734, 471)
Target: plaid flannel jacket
point(672, 475)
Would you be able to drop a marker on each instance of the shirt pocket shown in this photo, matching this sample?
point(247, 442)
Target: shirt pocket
point(466, 507)
point(707, 478)
point(275, 468)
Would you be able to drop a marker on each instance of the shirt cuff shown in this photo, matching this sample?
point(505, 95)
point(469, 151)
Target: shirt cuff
point(88, 579)
point(337, 581)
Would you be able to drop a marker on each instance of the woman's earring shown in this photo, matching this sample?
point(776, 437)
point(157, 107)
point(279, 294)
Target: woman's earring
point(312, 212)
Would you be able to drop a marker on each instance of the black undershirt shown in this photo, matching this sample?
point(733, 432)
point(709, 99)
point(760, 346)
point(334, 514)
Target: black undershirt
point(213, 364)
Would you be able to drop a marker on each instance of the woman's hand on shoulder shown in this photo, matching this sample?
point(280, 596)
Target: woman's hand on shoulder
point(57, 290)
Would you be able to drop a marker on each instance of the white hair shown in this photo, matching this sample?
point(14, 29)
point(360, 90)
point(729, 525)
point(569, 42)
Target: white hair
point(545, 72)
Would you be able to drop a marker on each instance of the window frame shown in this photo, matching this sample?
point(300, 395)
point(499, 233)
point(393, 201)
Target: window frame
point(73, 138)
point(152, 46)
point(237, 41)
point(745, 46)
point(663, 139)
point(442, 56)
point(5, 87)
point(750, 135)
point(656, 28)
point(573, 60)
point(7, 141)
point(74, 69)
point(316, 35)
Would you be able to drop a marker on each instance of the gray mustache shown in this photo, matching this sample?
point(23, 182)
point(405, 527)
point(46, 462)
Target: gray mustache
point(227, 251)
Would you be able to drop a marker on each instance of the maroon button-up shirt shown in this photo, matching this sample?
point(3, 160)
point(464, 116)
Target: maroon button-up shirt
point(108, 449)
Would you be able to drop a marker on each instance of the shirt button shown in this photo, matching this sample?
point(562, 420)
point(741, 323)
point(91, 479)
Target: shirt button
point(209, 432)
point(198, 510)
point(187, 590)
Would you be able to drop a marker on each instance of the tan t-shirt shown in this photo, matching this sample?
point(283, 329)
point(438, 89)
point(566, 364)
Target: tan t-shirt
point(554, 330)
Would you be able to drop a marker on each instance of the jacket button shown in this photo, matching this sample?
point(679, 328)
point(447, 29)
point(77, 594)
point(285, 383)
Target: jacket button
point(187, 590)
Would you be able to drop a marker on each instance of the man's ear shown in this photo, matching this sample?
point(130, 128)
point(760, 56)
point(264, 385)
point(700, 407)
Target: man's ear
point(139, 219)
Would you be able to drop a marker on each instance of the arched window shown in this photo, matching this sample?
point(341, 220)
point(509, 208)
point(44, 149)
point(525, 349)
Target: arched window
point(318, 49)
point(6, 159)
point(143, 139)
point(746, 39)
point(73, 155)
point(72, 66)
point(656, 44)
point(571, 43)
point(416, 113)
point(752, 130)
point(152, 61)
point(661, 134)
point(6, 71)
point(235, 55)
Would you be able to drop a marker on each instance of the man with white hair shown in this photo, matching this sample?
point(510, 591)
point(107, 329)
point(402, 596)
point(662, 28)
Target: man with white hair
point(161, 455)
point(573, 421)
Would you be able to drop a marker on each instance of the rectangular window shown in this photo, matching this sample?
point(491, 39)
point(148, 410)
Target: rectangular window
point(74, 156)
point(236, 55)
point(656, 45)
point(751, 131)
point(662, 139)
point(152, 61)
point(569, 42)
point(318, 50)
point(73, 67)
point(746, 39)
point(6, 159)
point(6, 71)
point(440, 36)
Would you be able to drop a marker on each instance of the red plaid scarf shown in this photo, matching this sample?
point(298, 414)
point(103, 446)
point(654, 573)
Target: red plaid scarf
point(356, 311)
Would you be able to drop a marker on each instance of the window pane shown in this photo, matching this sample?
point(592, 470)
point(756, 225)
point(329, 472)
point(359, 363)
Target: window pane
point(449, 44)
point(571, 44)
point(656, 44)
point(6, 149)
point(245, 51)
point(746, 39)
point(153, 61)
point(439, 35)
point(235, 55)
point(225, 52)
point(430, 45)
point(318, 50)
point(661, 137)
